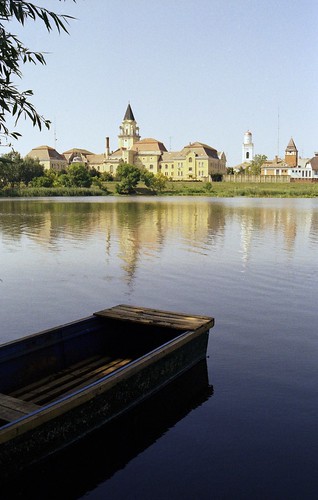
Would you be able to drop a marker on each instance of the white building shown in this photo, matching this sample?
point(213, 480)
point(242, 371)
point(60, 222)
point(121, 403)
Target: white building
point(306, 169)
point(247, 148)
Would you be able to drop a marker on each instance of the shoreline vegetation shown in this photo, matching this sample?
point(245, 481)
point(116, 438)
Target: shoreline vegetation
point(178, 188)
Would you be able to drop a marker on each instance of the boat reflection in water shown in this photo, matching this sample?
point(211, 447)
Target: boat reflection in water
point(97, 457)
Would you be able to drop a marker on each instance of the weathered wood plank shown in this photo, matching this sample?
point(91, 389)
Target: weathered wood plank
point(23, 392)
point(74, 381)
point(168, 319)
point(103, 373)
point(169, 316)
point(13, 408)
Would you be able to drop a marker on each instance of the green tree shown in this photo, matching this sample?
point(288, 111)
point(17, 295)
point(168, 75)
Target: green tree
point(160, 182)
point(13, 54)
point(129, 176)
point(255, 165)
point(9, 171)
point(31, 168)
point(78, 175)
point(147, 177)
point(63, 180)
point(107, 177)
point(14, 169)
point(44, 181)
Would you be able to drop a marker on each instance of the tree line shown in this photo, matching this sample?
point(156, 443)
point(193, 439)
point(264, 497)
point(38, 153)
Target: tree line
point(17, 172)
point(252, 168)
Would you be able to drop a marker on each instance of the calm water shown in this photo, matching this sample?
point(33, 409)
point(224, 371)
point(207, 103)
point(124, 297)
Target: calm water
point(245, 425)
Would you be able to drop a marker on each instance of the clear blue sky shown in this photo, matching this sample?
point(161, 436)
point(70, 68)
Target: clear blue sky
point(192, 70)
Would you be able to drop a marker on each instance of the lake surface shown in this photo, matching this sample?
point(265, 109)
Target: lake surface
point(245, 424)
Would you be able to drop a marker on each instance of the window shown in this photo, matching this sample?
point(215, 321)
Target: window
point(151, 167)
point(166, 166)
point(247, 155)
point(190, 169)
point(190, 160)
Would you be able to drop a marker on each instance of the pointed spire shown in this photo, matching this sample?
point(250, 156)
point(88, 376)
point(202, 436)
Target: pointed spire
point(129, 115)
point(291, 145)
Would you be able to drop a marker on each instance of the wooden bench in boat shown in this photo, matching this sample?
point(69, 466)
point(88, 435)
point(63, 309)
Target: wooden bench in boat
point(153, 317)
point(58, 384)
point(13, 408)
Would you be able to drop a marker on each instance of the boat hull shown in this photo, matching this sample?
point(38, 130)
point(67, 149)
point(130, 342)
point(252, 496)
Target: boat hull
point(53, 426)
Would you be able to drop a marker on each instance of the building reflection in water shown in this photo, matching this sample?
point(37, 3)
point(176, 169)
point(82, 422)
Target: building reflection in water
point(141, 229)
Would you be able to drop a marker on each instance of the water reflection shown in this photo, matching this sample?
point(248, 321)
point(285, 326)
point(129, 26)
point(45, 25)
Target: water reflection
point(251, 264)
point(136, 229)
point(98, 457)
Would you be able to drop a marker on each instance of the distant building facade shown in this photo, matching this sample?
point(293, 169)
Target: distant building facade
point(292, 166)
point(196, 161)
point(48, 157)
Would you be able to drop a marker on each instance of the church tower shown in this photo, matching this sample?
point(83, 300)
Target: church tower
point(248, 148)
point(128, 130)
point(291, 154)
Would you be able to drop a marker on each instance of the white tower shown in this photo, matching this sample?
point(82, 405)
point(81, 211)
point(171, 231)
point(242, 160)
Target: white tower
point(247, 148)
point(129, 132)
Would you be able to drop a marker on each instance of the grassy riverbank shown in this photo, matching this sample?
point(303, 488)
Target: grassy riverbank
point(251, 190)
point(216, 189)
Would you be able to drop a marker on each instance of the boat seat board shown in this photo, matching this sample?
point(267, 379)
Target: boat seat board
point(167, 319)
point(73, 372)
point(13, 408)
point(67, 381)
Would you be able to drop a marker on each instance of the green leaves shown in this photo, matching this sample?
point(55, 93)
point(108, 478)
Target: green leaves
point(25, 10)
point(14, 169)
point(129, 176)
point(13, 54)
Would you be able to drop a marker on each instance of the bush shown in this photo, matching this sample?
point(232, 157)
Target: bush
point(44, 181)
point(217, 177)
point(107, 177)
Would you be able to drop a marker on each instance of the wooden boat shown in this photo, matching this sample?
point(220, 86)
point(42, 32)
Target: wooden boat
point(60, 384)
point(115, 444)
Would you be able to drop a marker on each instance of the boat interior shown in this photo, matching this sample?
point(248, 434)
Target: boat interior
point(42, 368)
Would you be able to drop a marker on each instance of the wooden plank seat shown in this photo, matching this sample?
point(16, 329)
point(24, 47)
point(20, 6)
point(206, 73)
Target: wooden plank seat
point(154, 317)
point(67, 381)
point(13, 408)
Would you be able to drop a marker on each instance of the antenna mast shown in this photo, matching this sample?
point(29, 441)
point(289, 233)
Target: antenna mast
point(278, 132)
point(55, 139)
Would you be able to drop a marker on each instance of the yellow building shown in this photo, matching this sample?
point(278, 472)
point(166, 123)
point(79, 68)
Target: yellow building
point(274, 167)
point(48, 157)
point(196, 161)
